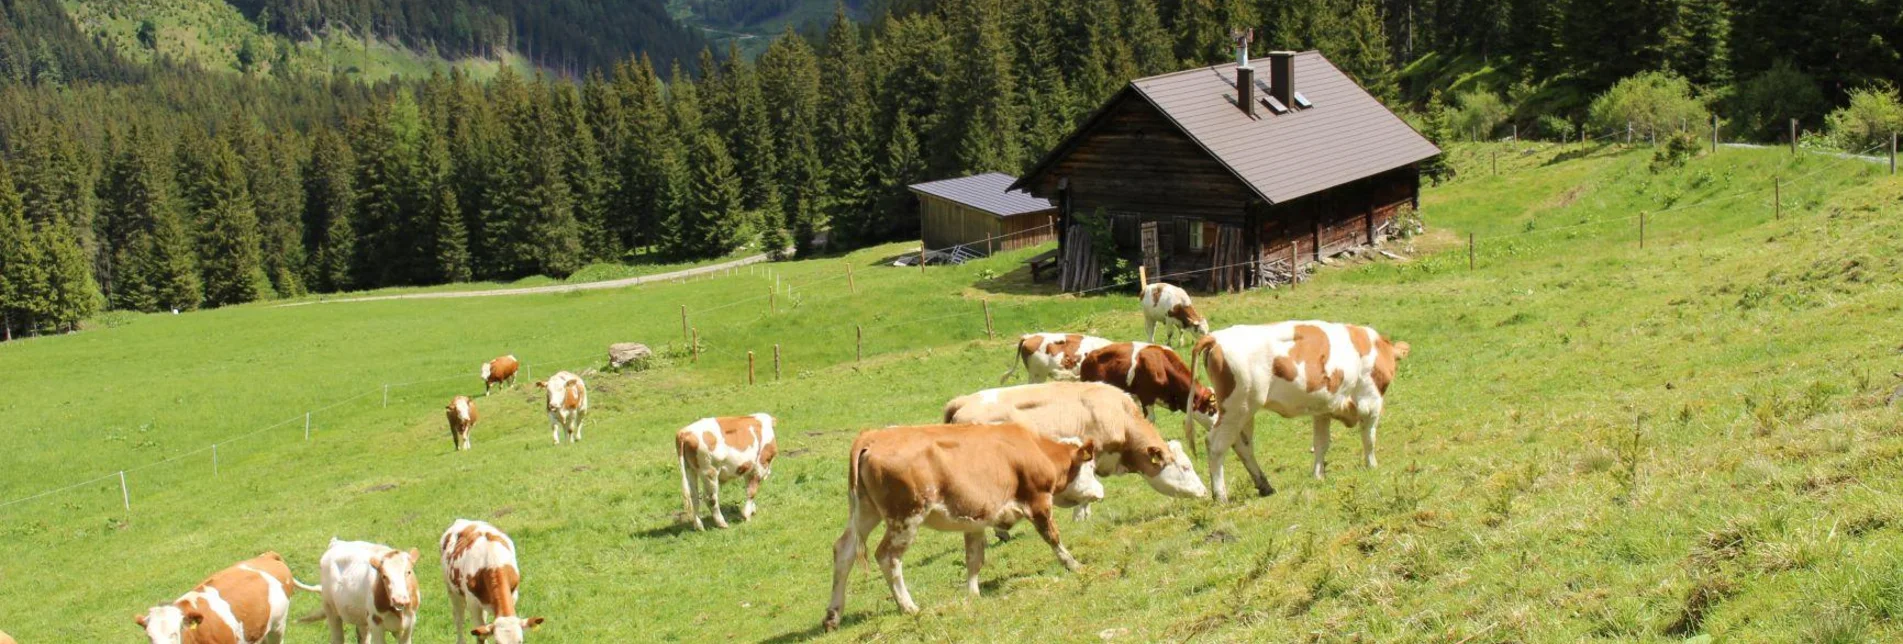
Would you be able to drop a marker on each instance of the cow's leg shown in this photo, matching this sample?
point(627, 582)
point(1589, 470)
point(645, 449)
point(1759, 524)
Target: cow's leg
point(1221, 437)
point(1047, 528)
point(336, 625)
point(974, 559)
point(711, 482)
point(845, 552)
point(1369, 424)
point(690, 488)
point(753, 488)
point(1149, 327)
point(1081, 513)
point(363, 634)
point(456, 604)
point(555, 427)
point(1003, 532)
point(1245, 452)
point(898, 537)
point(1321, 444)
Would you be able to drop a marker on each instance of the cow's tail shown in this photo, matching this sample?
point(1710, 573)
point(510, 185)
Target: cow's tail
point(687, 487)
point(1197, 355)
point(306, 587)
point(1017, 359)
point(318, 616)
point(853, 463)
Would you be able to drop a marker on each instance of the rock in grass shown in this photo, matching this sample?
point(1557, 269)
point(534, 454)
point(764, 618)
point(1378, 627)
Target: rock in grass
point(622, 354)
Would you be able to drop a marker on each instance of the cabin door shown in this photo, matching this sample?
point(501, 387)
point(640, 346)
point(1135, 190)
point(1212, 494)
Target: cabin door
point(1152, 249)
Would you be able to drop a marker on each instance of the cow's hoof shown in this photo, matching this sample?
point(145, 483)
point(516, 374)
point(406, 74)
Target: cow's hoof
point(831, 623)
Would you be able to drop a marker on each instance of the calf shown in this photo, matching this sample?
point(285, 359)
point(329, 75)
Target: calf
point(371, 587)
point(1323, 370)
point(1051, 355)
point(958, 478)
point(716, 450)
point(498, 370)
point(567, 404)
point(479, 566)
point(462, 416)
point(1126, 442)
point(244, 604)
point(1151, 373)
point(1169, 304)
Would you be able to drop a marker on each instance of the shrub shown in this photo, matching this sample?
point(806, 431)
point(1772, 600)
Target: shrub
point(1659, 102)
point(1556, 128)
point(1478, 112)
point(1763, 106)
point(1874, 113)
point(1674, 151)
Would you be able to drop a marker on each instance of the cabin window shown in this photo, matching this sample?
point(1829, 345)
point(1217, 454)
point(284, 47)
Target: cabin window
point(1196, 235)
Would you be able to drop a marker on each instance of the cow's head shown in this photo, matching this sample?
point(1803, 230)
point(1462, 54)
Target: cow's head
point(167, 624)
point(396, 580)
point(1203, 408)
point(1175, 475)
point(507, 630)
point(1084, 487)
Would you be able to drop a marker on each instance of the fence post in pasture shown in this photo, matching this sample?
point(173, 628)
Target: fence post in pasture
point(859, 343)
point(749, 367)
point(989, 335)
point(852, 287)
point(1516, 132)
point(1793, 136)
point(921, 259)
point(1892, 153)
point(776, 363)
point(1496, 163)
point(683, 322)
point(696, 344)
point(1293, 269)
point(386, 394)
point(1470, 251)
point(125, 496)
point(1628, 133)
point(307, 425)
point(214, 460)
point(1777, 198)
point(1714, 134)
point(528, 372)
point(772, 301)
point(1641, 229)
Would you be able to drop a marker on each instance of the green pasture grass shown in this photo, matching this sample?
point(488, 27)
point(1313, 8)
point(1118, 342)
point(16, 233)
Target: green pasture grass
point(1590, 441)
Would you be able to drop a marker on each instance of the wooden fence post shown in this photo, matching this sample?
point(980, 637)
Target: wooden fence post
point(772, 300)
point(1496, 163)
point(683, 322)
point(1628, 133)
point(1714, 134)
point(1892, 153)
point(1294, 273)
point(1793, 136)
point(1641, 229)
point(1470, 251)
point(125, 496)
point(852, 286)
point(921, 259)
point(696, 345)
point(859, 343)
point(1777, 198)
point(1516, 132)
point(749, 367)
point(776, 362)
point(989, 335)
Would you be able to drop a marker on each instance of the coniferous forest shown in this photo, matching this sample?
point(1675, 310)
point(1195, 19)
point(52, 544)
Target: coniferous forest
point(159, 186)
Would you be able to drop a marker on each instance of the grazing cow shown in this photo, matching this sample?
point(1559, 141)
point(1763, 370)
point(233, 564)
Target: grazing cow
point(715, 450)
point(567, 404)
point(1047, 356)
point(1323, 370)
point(244, 604)
point(1169, 304)
point(479, 566)
point(371, 587)
point(499, 370)
point(1126, 442)
point(957, 478)
point(462, 416)
point(1151, 373)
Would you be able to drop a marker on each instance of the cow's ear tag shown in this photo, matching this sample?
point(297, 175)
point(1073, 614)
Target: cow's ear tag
point(1156, 456)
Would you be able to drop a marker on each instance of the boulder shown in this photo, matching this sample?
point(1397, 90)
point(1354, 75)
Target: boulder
point(622, 354)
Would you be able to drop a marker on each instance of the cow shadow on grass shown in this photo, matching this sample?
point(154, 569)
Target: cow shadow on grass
point(681, 524)
point(816, 631)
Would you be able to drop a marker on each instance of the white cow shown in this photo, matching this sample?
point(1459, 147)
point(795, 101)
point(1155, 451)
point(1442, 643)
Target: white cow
point(567, 404)
point(479, 566)
point(1169, 304)
point(371, 587)
point(1324, 370)
point(715, 450)
point(1047, 356)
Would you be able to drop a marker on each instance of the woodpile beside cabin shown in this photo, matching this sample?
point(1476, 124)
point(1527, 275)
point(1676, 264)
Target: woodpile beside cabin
point(1236, 177)
point(982, 214)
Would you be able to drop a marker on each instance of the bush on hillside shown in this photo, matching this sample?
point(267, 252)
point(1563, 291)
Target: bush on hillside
point(1764, 105)
point(1660, 102)
point(1874, 113)
point(1477, 114)
point(1555, 128)
point(1674, 151)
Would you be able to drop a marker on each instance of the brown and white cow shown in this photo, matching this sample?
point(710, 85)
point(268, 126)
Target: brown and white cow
point(1126, 442)
point(567, 404)
point(1170, 304)
point(955, 478)
point(1151, 373)
point(371, 587)
point(247, 603)
point(1047, 356)
point(479, 566)
point(1323, 370)
point(716, 450)
point(462, 417)
point(497, 371)
point(6, 639)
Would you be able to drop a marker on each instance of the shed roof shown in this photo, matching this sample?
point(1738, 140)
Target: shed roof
point(1346, 135)
point(990, 192)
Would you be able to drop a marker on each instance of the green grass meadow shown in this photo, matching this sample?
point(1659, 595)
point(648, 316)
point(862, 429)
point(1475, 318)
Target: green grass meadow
point(1590, 440)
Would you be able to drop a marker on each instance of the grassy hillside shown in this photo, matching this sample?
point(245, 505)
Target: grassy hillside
point(212, 33)
point(1590, 440)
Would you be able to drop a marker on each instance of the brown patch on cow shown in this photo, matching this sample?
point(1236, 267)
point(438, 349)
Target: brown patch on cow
point(248, 594)
point(1220, 378)
point(1310, 352)
point(501, 369)
point(1334, 380)
point(468, 538)
point(1384, 365)
point(209, 629)
point(1362, 339)
point(495, 588)
point(739, 431)
point(1350, 414)
point(1185, 315)
point(1283, 368)
point(1109, 365)
point(1066, 348)
point(571, 394)
point(768, 451)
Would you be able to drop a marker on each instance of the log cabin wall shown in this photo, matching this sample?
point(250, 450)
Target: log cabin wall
point(1135, 161)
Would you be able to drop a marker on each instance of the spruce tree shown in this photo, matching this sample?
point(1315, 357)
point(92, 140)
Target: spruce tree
point(847, 132)
point(716, 219)
point(55, 185)
point(212, 178)
point(390, 233)
point(329, 208)
point(751, 142)
point(585, 172)
point(980, 92)
point(543, 201)
point(23, 270)
point(447, 237)
point(790, 82)
point(643, 165)
point(901, 166)
point(155, 268)
point(72, 294)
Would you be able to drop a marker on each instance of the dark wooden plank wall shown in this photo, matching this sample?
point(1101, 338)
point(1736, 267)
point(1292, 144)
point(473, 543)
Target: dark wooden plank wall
point(1137, 161)
point(1336, 219)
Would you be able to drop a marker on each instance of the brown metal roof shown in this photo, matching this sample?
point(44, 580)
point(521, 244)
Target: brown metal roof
point(1347, 135)
point(991, 192)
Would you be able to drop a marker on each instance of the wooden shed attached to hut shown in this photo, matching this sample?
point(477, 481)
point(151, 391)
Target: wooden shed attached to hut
point(983, 214)
point(1221, 179)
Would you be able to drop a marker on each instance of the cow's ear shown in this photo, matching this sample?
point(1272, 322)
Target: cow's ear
point(1157, 456)
point(1087, 451)
point(139, 619)
point(415, 556)
point(533, 622)
point(193, 619)
point(483, 630)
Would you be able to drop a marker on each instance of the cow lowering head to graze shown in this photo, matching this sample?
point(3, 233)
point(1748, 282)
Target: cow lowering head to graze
point(1126, 442)
point(567, 404)
point(1151, 373)
point(716, 450)
point(370, 587)
point(244, 604)
point(498, 370)
point(479, 566)
point(955, 478)
point(1048, 356)
point(1323, 370)
point(462, 416)
point(1169, 304)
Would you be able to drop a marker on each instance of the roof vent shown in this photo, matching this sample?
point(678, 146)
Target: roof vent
point(1302, 101)
point(1274, 105)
